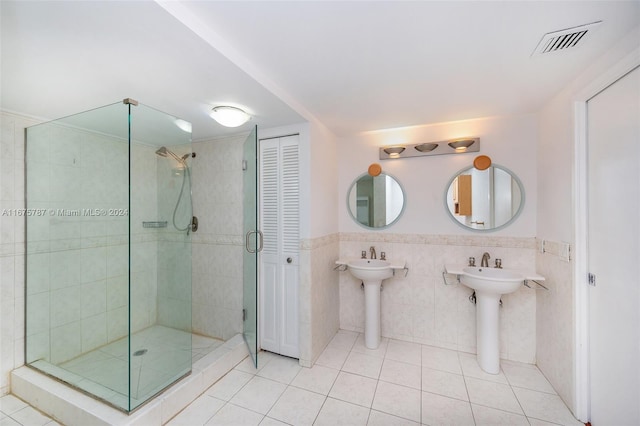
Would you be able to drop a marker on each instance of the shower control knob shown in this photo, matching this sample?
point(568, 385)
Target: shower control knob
point(289, 260)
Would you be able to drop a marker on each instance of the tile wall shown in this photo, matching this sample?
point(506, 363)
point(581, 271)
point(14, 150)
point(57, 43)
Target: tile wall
point(319, 296)
point(555, 332)
point(218, 244)
point(77, 267)
point(12, 249)
point(421, 308)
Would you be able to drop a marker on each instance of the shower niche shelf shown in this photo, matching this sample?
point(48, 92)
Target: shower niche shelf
point(154, 224)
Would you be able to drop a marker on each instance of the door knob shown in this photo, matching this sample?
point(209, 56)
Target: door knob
point(289, 260)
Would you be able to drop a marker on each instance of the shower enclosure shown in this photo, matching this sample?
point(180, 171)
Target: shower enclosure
point(108, 264)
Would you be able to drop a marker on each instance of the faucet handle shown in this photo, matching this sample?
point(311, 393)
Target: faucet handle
point(499, 263)
point(472, 261)
point(363, 254)
point(383, 255)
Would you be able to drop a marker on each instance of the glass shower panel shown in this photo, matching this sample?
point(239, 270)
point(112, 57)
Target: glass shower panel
point(160, 256)
point(253, 244)
point(108, 265)
point(76, 263)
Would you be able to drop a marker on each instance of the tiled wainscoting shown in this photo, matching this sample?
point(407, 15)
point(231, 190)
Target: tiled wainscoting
point(555, 321)
point(421, 308)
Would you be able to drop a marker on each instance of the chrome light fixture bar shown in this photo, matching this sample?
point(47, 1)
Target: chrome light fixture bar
point(451, 146)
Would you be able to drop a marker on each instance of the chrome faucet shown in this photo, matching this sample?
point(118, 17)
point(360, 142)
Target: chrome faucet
point(372, 250)
point(485, 260)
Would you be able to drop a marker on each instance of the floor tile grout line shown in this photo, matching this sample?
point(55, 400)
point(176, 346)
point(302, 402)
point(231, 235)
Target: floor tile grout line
point(499, 409)
point(315, 419)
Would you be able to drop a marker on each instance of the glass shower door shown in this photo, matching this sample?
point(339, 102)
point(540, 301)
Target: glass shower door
point(253, 244)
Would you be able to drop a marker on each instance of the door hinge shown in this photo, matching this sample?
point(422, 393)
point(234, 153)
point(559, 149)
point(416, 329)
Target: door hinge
point(244, 315)
point(592, 279)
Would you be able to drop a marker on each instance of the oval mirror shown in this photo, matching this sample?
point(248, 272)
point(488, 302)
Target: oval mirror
point(484, 200)
point(375, 202)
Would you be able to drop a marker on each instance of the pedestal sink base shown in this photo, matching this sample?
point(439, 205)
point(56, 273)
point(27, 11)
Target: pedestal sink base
point(372, 314)
point(371, 272)
point(487, 332)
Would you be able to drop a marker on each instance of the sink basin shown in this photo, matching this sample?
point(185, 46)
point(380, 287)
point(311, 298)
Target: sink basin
point(491, 280)
point(370, 269)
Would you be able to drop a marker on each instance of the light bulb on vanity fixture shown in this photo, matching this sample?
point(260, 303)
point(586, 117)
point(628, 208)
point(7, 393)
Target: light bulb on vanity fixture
point(229, 116)
point(462, 144)
point(394, 151)
point(426, 147)
point(451, 146)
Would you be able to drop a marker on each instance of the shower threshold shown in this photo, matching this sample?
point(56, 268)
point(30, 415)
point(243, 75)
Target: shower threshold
point(72, 406)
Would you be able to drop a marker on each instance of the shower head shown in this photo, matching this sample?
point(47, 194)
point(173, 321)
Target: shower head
point(164, 152)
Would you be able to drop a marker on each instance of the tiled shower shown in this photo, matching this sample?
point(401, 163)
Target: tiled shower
point(108, 272)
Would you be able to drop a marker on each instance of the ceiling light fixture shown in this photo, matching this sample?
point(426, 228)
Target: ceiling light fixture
point(229, 116)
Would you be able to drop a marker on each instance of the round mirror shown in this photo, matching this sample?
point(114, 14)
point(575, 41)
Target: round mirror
point(484, 200)
point(375, 202)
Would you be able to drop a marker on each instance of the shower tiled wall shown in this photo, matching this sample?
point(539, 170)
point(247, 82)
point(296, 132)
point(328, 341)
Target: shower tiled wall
point(11, 245)
point(77, 267)
point(218, 244)
point(421, 308)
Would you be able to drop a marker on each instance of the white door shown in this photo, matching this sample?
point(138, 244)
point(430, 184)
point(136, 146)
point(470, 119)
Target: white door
point(614, 252)
point(279, 260)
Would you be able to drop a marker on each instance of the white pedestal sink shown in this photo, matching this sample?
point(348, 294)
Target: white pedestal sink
point(490, 284)
point(371, 272)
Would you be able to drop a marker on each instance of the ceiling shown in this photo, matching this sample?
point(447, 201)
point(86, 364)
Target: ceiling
point(353, 65)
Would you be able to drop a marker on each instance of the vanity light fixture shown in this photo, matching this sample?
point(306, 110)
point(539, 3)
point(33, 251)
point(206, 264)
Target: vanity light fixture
point(394, 151)
point(426, 147)
point(229, 116)
point(451, 146)
point(462, 144)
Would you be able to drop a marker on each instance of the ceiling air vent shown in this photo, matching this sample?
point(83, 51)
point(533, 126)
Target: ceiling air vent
point(564, 39)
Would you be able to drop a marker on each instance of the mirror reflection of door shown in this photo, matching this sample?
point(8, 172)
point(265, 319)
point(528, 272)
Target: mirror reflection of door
point(495, 195)
point(375, 202)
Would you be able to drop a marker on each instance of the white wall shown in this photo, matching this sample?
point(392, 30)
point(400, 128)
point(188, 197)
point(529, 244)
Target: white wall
point(323, 167)
point(556, 321)
point(509, 141)
point(421, 308)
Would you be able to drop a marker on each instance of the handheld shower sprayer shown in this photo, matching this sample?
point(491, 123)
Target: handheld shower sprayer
point(192, 226)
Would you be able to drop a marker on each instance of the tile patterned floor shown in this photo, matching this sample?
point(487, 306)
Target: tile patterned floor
point(15, 412)
point(400, 383)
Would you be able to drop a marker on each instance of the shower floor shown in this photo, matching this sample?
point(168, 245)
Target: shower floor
point(163, 355)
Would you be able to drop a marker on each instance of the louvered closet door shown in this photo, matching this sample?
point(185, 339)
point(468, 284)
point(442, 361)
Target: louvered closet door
point(279, 213)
